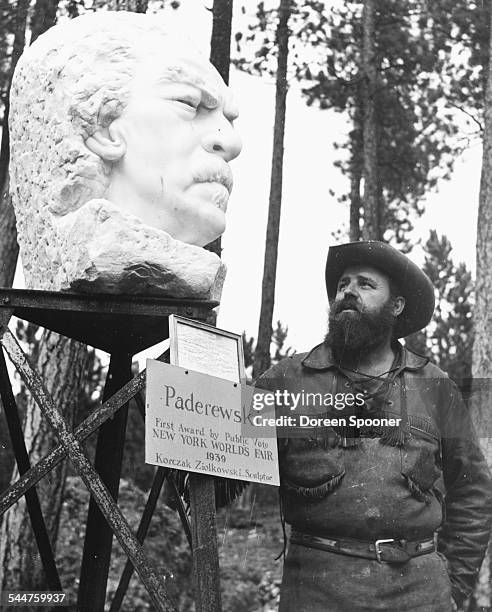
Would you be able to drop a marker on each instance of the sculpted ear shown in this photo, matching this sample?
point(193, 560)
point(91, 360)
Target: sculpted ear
point(108, 143)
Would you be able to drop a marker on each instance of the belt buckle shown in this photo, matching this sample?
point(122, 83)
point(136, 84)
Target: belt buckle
point(377, 544)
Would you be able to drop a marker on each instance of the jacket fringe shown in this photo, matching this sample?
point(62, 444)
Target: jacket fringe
point(396, 436)
point(415, 490)
point(389, 436)
point(423, 424)
point(314, 492)
point(226, 490)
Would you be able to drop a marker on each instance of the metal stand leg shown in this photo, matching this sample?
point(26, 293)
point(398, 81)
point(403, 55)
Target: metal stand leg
point(109, 455)
point(178, 502)
point(157, 483)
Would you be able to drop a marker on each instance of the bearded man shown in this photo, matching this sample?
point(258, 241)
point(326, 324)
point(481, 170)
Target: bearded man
point(389, 505)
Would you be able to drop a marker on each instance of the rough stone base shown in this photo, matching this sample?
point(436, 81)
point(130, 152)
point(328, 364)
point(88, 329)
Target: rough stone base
point(102, 249)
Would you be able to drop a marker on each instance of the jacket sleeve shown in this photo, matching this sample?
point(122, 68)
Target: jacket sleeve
point(465, 532)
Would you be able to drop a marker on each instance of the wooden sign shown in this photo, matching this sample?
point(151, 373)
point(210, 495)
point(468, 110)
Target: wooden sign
point(195, 422)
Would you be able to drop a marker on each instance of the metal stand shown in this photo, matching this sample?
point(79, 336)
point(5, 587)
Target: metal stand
point(123, 326)
point(109, 456)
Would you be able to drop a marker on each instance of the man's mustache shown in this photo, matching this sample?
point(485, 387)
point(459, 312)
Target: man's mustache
point(347, 303)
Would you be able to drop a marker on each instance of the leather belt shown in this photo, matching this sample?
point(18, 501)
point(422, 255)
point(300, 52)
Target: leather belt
point(388, 550)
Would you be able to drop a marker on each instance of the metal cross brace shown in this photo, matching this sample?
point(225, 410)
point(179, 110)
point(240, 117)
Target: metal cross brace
point(111, 512)
point(83, 431)
point(23, 464)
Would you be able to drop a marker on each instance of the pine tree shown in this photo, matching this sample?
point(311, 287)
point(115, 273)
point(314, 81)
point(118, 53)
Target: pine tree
point(385, 74)
point(450, 334)
point(262, 351)
point(278, 345)
point(482, 346)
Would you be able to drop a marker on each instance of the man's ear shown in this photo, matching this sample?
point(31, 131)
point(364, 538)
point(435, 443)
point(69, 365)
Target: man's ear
point(108, 143)
point(399, 305)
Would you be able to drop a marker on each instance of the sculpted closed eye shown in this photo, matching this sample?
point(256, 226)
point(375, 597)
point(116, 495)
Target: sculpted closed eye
point(191, 103)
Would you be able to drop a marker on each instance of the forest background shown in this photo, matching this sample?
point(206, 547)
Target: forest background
point(385, 107)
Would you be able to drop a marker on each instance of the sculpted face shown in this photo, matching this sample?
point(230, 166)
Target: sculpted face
point(121, 134)
point(170, 149)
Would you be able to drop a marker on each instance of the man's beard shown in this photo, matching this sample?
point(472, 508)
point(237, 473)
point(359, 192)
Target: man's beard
point(351, 335)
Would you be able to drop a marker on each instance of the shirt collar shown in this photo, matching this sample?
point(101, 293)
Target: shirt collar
point(321, 358)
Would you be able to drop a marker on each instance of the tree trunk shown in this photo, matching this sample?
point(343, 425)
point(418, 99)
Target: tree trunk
point(482, 317)
point(220, 43)
point(9, 249)
point(262, 352)
point(355, 204)
point(20, 23)
point(20, 567)
point(371, 200)
point(220, 57)
point(44, 17)
point(8, 236)
point(356, 172)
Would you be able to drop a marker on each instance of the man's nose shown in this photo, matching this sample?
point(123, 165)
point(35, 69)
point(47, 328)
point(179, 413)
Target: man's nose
point(222, 139)
point(350, 291)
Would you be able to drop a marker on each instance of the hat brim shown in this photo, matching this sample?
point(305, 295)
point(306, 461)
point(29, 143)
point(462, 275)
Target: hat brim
point(412, 282)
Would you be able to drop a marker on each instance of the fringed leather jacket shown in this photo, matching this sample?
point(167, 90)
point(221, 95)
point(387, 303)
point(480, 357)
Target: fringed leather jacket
point(425, 475)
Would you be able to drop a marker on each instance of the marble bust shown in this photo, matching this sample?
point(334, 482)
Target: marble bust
point(121, 136)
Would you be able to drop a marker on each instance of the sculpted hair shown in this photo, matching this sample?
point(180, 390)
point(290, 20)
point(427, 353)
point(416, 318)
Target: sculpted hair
point(74, 79)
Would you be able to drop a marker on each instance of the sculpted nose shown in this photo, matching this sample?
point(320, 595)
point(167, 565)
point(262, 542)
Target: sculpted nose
point(223, 140)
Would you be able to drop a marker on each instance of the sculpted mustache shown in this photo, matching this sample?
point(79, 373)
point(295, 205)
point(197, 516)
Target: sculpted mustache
point(220, 174)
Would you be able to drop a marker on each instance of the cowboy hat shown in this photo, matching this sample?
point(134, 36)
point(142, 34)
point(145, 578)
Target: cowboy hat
point(413, 284)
